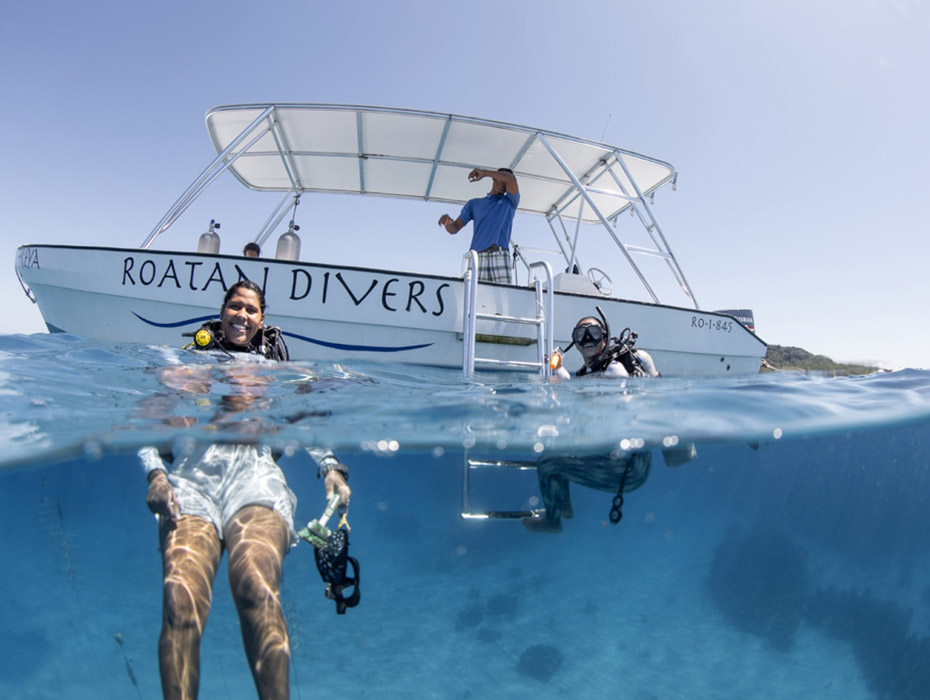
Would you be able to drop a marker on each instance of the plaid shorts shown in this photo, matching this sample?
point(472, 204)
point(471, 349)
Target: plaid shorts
point(494, 266)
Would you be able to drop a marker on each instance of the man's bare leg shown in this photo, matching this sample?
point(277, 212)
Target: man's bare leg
point(191, 551)
point(257, 539)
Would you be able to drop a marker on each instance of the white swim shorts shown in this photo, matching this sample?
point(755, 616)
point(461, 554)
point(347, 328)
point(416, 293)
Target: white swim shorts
point(218, 481)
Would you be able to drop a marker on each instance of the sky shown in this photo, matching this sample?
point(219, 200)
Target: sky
point(800, 130)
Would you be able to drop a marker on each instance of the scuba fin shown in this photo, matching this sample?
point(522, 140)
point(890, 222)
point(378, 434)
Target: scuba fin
point(331, 552)
point(331, 561)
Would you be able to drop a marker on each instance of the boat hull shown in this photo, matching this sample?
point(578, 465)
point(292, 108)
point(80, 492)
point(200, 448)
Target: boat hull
point(339, 313)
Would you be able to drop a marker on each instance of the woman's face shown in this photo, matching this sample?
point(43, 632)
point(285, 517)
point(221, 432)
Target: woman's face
point(241, 317)
point(589, 348)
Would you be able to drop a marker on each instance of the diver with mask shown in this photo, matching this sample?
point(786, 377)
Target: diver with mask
point(618, 472)
point(610, 357)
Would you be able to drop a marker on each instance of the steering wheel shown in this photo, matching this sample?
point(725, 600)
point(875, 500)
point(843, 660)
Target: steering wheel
point(600, 280)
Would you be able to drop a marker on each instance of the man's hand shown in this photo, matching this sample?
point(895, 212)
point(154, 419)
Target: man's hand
point(477, 174)
point(451, 225)
point(161, 499)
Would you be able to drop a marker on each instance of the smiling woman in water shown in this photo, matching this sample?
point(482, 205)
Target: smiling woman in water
point(234, 497)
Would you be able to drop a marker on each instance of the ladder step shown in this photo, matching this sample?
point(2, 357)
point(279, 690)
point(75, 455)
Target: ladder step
point(495, 464)
point(505, 363)
point(533, 321)
point(491, 465)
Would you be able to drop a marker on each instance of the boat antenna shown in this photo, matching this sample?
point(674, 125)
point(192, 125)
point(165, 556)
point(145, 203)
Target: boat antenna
point(604, 133)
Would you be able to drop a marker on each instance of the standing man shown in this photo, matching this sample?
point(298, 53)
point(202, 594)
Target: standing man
point(493, 217)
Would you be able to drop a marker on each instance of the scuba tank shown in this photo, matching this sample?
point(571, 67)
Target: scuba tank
point(289, 244)
point(209, 241)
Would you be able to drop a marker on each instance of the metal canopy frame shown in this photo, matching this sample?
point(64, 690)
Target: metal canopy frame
point(385, 152)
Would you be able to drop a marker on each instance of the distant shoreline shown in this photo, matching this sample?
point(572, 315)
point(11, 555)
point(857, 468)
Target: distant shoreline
point(786, 357)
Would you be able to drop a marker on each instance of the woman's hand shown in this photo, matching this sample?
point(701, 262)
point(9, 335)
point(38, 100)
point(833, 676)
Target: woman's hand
point(161, 499)
point(335, 483)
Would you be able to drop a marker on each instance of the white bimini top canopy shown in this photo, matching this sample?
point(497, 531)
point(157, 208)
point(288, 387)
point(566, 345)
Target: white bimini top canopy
point(386, 152)
point(425, 155)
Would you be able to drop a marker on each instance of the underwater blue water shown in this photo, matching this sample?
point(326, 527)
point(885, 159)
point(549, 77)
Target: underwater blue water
point(788, 559)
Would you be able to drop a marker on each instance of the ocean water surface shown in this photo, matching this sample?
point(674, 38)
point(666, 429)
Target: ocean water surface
point(789, 558)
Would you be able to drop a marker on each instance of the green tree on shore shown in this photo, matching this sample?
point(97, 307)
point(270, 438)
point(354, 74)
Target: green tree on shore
point(792, 358)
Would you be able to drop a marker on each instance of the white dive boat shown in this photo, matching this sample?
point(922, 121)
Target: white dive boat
point(331, 312)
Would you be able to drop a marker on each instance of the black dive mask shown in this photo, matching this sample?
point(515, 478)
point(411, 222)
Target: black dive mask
point(582, 333)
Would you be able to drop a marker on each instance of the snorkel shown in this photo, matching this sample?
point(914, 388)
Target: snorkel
point(600, 312)
point(600, 358)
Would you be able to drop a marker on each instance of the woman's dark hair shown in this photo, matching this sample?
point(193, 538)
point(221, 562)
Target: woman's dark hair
point(246, 284)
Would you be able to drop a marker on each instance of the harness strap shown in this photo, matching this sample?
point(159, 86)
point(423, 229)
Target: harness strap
point(268, 342)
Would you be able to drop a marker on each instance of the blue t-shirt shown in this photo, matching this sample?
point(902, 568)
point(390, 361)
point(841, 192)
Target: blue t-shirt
point(493, 217)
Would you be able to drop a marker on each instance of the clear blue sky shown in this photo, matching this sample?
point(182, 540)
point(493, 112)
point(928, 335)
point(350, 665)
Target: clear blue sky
point(800, 129)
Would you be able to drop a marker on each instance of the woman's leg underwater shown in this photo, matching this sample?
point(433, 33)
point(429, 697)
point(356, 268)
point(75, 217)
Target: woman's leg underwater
point(257, 539)
point(191, 551)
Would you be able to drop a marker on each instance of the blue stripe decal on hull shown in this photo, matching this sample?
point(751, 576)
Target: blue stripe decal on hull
point(176, 324)
point(336, 346)
point(361, 348)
